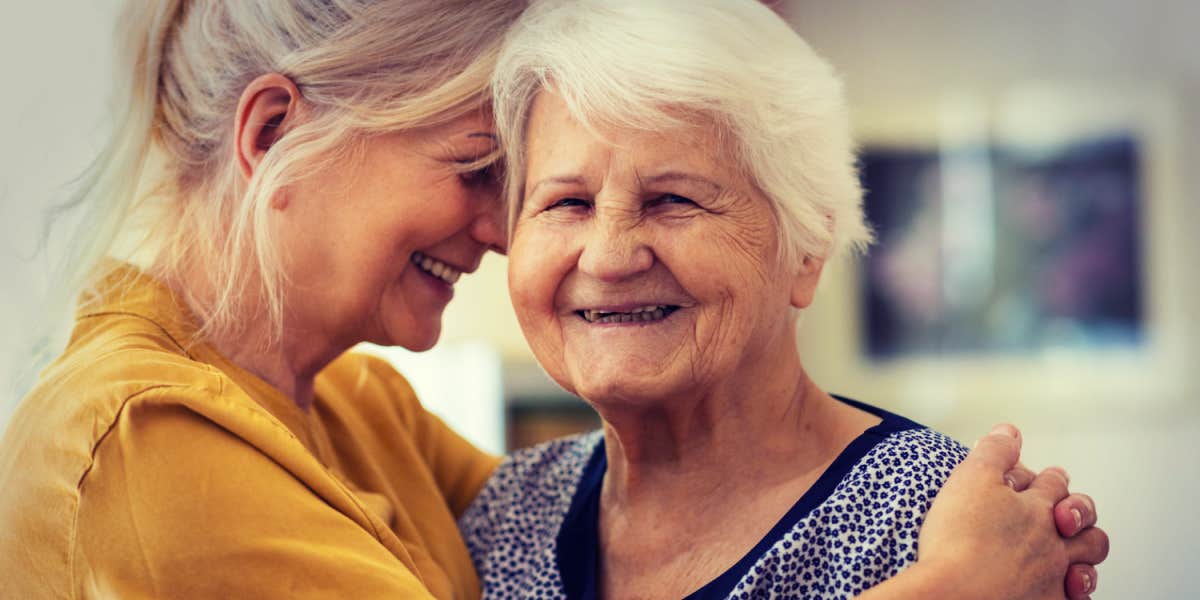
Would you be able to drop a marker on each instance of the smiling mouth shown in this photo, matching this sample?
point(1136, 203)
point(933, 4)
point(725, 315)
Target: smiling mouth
point(643, 314)
point(436, 268)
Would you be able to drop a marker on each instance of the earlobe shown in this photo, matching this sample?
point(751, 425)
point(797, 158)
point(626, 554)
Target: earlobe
point(804, 286)
point(266, 110)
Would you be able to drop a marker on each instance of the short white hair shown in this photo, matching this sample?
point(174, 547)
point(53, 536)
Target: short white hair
point(646, 64)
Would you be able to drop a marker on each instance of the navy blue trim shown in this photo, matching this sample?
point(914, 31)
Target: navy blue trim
point(577, 554)
point(578, 540)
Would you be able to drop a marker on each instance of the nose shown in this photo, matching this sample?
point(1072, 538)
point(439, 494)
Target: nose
point(490, 226)
point(614, 251)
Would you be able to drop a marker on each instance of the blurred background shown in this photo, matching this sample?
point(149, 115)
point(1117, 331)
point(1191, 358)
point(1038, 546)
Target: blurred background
point(1032, 173)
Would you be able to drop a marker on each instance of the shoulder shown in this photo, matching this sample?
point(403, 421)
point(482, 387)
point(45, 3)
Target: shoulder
point(888, 491)
point(367, 385)
point(902, 472)
point(122, 375)
point(374, 405)
point(124, 395)
point(80, 397)
point(104, 391)
point(866, 530)
point(530, 492)
point(918, 452)
point(358, 368)
point(543, 476)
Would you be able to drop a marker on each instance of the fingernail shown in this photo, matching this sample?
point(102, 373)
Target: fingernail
point(1078, 518)
point(1004, 430)
point(1087, 583)
point(1012, 483)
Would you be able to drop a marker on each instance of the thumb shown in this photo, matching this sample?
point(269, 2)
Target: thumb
point(997, 452)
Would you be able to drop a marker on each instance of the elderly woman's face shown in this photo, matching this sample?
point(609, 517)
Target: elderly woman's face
point(647, 267)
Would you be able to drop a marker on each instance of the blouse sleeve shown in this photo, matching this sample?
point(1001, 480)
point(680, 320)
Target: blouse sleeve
point(460, 469)
point(175, 505)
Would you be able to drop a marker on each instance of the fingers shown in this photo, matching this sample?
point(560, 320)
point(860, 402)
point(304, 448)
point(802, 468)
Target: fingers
point(1080, 582)
point(1089, 546)
point(1074, 514)
point(1019, 477)
point(998, 451)
point(1052, 484)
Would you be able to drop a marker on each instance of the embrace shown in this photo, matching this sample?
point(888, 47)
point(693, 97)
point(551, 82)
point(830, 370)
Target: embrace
point(669, 180)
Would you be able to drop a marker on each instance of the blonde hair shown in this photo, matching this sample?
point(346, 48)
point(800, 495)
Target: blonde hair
point(649, 64)
point(166, 188)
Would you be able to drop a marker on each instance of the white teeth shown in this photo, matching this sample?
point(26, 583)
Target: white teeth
point(436, 267)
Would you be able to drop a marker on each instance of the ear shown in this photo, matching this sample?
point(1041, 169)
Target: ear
point(804, 286)
point(267, 108)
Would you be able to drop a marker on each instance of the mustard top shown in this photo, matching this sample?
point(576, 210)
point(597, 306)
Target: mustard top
point(142, 465)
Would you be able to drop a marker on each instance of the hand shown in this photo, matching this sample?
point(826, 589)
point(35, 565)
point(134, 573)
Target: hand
point(998, 531)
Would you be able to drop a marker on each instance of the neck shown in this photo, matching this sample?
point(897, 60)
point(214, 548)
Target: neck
point(768, 423)
point(289, 362)
point(286, 366)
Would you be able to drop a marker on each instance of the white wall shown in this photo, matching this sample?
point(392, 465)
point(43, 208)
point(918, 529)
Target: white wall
point(56, 65)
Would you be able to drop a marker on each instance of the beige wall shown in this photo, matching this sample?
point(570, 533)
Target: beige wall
point(1126, 425)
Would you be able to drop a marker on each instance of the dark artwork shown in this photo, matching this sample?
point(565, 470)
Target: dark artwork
point(994, 249)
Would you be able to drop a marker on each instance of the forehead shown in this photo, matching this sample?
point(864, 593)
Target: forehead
point(558, 142)
point(470, 126)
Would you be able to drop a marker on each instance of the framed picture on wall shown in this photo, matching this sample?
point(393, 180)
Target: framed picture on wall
point(1042, 250)
point(1029, 234)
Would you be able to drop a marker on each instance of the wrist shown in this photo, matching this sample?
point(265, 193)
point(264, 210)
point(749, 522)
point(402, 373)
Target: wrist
point(926, 579)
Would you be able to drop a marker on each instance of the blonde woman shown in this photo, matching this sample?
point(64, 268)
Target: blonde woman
point(291, 178)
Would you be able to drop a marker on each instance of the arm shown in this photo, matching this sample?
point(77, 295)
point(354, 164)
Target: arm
point(984, 539)
point(175, 505)
point(459, 468)
point(920, 582)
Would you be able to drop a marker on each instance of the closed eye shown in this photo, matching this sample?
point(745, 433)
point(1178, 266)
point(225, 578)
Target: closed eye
point(474, 177)
point(668, 199)
point(570, 203)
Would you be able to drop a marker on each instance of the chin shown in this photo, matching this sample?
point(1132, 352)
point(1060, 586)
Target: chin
point(422, 345)
point(624, 387)
point(417, 338)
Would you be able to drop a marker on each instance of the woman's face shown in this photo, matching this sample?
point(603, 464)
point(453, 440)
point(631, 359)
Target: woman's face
point(375, 242)
point(645, 268)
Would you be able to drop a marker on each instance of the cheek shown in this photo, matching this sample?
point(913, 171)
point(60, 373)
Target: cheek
point(531, 275)
point(731, 269)
point(721, 261)
point(538, 261)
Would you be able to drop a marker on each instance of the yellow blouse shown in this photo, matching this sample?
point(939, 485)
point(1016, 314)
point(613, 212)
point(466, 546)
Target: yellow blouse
point(143, 466)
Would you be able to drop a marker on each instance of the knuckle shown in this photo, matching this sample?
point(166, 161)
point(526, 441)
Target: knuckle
point(1089, 504)
point(1102, 543)
point(1061, 472)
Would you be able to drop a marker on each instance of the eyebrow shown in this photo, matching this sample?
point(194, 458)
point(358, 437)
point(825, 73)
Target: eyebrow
point(653, 179)
point(563, 179)
point(680, 176)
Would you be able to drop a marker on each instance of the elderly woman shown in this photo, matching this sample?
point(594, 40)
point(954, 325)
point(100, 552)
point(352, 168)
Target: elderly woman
point(292, 178)
point(680, 175)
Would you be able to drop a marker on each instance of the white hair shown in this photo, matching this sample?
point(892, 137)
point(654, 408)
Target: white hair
point(647, 64)
point(166, 187)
